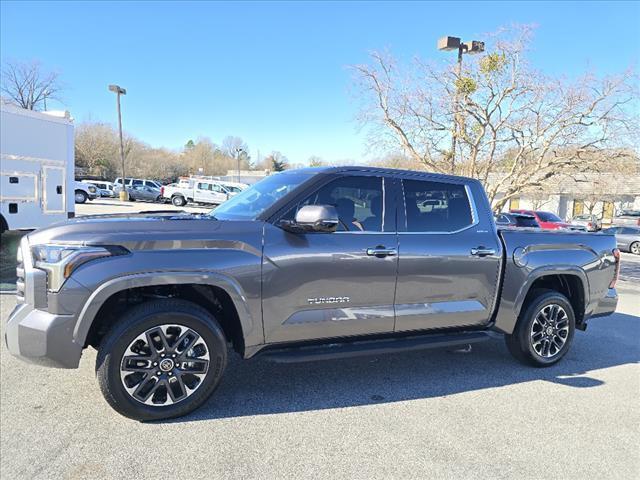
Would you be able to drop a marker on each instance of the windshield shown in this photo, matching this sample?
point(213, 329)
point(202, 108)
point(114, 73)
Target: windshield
point(548, 217)
point(250, 203)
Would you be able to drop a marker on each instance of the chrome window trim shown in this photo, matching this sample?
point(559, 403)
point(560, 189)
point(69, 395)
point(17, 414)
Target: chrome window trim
point(475, 220)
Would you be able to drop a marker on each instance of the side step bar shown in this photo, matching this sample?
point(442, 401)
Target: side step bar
point(359, 348)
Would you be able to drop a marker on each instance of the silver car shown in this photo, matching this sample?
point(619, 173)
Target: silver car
point(591, 223)
point(145, 193)
point(627, 238)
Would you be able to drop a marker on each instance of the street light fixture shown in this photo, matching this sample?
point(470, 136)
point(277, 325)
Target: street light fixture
point(120, 91)
point(448, 44)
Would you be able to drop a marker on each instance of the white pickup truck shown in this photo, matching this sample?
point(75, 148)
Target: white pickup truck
point(200, 190)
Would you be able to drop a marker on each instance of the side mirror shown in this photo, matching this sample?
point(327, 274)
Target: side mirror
point(313, 218)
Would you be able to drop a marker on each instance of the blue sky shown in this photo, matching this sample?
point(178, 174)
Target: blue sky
point(276, 73)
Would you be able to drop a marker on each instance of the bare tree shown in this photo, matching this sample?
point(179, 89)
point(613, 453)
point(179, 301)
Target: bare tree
point(316, 161)
point(231, 145)
point(517, 127)
point(28, 85)
point(276, 161)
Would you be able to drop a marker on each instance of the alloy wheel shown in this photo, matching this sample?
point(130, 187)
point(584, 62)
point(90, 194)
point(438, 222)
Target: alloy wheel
point(164, 365)
point(549, 331)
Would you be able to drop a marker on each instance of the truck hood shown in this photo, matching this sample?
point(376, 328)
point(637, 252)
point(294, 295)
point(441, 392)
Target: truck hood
point(135, 231)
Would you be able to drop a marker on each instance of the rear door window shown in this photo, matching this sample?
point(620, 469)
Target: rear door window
point(436, 206)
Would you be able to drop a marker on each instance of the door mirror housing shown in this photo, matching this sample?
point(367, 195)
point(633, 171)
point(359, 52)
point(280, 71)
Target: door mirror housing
point(313, 218)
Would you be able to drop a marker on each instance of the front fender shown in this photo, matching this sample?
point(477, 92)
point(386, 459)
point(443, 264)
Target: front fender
point(251, 330)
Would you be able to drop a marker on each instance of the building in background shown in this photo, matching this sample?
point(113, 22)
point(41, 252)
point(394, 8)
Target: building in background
point(602, 194)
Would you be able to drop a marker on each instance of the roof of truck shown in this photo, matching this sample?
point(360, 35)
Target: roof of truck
point(382, 170)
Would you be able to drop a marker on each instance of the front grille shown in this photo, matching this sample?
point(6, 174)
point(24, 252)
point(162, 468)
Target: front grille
point(20, 277)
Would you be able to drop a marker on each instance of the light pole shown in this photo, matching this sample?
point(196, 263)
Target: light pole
point(238, 152)
point(120, 91)
point(453, 43)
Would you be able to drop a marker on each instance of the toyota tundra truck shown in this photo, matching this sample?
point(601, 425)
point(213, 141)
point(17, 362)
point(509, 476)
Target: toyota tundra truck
point(308, 264)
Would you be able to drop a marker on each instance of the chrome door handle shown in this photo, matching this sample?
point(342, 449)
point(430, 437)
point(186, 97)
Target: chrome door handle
point(381, 252)
point(482, 252)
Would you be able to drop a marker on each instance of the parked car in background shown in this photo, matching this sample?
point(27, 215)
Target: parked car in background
point(132, 182)
point(591, 223)
point(627, 238)
point(627, 217)
point(105, 189)
point(84, 191)
point(516, 220)
point(213, 192)
point(145, 193)
point(546, 220)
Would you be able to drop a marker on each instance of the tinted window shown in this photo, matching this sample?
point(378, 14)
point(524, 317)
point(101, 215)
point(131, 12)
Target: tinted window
point(629, 231)
point(503, 219)
point(137, 183)
point(526, 222)
point(358, 200)
point(548, 217)
point(435, 206)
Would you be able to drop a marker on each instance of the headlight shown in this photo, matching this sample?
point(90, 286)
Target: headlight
point(92, 189)
point(59, 261)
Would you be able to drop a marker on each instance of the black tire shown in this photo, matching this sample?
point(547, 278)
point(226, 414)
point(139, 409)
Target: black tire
point(80, 196)
point(158, 199)
point(178, 201)
point(635, 248)
point(521, 343)
point(140, 319)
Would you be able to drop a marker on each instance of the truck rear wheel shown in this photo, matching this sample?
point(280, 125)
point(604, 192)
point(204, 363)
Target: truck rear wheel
point(544, 330)
point(162, 359)
point(178, 201)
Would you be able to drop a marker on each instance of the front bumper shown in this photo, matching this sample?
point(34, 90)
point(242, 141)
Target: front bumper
point(606, 305)
point(43, 338)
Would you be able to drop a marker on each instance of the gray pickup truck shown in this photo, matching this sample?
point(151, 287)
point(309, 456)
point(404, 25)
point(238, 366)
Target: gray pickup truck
point(305, 265)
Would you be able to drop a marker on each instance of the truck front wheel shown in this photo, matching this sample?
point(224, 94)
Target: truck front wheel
point(544, 330)
point(162, 359)
point(80, 196)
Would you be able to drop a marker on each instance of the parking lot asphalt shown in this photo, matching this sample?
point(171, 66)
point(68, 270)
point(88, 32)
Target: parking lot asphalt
point(431, 414)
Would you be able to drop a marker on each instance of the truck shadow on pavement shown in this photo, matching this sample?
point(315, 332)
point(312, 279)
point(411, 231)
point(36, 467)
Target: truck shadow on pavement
point(258, 387)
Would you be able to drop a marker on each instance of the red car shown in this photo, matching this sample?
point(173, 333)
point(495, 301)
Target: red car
point(546, 220)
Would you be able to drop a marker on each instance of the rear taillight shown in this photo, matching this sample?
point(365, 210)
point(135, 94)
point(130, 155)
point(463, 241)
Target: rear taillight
point(616, 255)
point(590, 225)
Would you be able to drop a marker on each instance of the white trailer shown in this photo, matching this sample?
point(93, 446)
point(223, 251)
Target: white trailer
point(36, 167)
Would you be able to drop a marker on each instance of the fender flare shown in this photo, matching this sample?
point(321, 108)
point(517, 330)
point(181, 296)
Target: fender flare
point(107, 289)
point(509, 307)
point(548, 271)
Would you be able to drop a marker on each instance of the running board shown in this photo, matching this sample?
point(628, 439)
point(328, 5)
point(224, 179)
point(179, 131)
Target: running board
point(359, 348)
